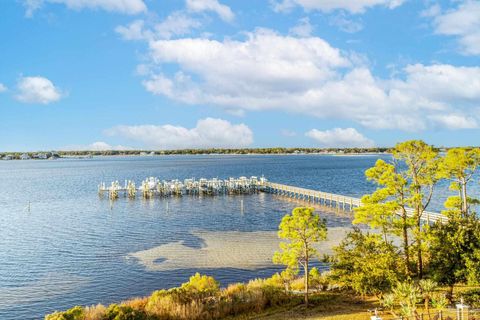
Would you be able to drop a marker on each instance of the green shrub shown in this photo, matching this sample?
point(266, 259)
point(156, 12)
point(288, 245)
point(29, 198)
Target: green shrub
point(75, 313)
point(162, 303)
point(439, 301)
point(198, 299)
point(123, 312)
point(471, 297)
point(95, 312)
point(201, 286)
point(265, 293)
point(275, 281)
point(298, 284)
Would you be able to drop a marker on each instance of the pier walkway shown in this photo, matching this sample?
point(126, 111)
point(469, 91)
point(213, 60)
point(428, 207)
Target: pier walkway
point(153, 187)
point(332, 200)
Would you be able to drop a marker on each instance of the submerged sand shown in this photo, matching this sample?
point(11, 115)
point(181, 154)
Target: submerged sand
point(231, 249)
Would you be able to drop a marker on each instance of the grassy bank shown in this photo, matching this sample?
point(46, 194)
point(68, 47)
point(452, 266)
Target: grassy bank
point(201, 298)
point(325, 305)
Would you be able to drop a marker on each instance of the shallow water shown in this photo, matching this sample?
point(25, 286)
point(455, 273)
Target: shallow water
point(61, 245)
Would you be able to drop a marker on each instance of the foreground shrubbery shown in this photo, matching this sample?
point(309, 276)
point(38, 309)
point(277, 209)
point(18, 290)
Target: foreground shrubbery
point(199, 298)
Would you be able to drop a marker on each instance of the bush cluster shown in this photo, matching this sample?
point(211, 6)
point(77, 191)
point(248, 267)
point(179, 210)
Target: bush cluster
point(471, 297)
point(201, 298)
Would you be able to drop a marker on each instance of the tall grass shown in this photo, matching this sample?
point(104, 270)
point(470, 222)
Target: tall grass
point(200, 298)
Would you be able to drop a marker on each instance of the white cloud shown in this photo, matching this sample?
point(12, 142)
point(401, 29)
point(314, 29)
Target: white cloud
point(455, 121)
point(268, 71)
point(352, 6)
point(121, 6)
point(37, 90)
point(96, 146)
point(134, 31)
point(31, 6)
point(432, 11)
point(208, 133)
point(345, 24)
point(176, 24)
point(265, 62)
point(303, 29)
point(3, 88)
point(340, 138)
point(463, 23)
point(223, 11)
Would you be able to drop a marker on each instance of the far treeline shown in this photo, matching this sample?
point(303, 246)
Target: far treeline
point(276, 150)
point(408, 265)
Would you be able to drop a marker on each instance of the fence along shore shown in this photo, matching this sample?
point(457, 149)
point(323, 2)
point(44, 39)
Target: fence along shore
point(153, 187)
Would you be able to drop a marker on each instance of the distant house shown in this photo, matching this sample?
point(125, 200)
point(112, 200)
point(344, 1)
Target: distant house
point(25, 156)
point(53, 155)
point(152, 153)
point(8, 157)
point(143, 153)
point(42, 156)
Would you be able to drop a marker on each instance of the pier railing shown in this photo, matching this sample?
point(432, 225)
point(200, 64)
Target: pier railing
point(335, 200)
point(153, 187)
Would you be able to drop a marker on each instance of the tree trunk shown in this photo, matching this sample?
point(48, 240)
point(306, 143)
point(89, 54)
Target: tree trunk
point(405, 244)
point(385, 235)
point(420, 263)
point(419, 249)
point(450, 293)
point(306, 277)
point(464, 199)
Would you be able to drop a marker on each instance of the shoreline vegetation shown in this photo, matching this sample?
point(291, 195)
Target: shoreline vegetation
point(85, 154)
point(42, 155)
point(390, 260)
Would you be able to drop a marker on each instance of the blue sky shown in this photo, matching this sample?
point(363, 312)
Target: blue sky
point(103, 74)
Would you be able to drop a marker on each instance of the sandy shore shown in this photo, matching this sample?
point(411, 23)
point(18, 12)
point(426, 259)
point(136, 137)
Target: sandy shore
point(232, 249)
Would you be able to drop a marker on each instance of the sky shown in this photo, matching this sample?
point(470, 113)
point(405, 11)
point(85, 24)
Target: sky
point(175, 74)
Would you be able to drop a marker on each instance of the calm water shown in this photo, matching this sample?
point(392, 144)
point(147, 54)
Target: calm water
point(71, 247)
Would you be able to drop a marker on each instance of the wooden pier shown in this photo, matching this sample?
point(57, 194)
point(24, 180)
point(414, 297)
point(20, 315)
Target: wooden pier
point(153, 187)
point(332, 200)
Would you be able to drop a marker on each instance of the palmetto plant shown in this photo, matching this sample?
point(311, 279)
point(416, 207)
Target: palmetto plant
point(427, 287)
point(407, 294)
point(439, 301)
point(388, 301)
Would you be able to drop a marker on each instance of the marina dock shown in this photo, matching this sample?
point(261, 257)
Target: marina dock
point(153, 187)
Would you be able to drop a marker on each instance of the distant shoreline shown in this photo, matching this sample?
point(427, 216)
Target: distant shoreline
point(44, 155)
point(95, 154)
point(86, 154)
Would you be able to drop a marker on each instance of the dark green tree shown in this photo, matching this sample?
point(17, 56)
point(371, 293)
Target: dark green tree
point(365, 263)
point(455, 244)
